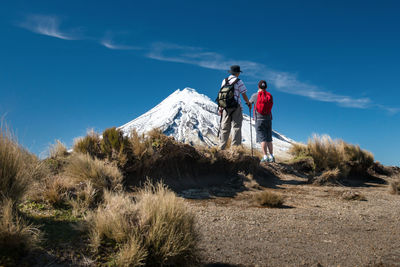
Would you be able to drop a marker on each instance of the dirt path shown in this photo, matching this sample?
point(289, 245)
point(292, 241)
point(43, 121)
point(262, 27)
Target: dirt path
point(316, 227)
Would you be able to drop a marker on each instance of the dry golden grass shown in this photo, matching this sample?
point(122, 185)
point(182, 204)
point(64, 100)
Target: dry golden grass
point(16, 236)
point(58, 150)
point(54, 190)
point(82, 168)
point(132, 253)
point(327, 177)
point(395, 186)
point(329, 154)
point(169, 233)
point(115, 219)
point(155, 229)
point(18, 168)
point(139, 146)
point(351, 195)
point(85, 198)
point(268, 199)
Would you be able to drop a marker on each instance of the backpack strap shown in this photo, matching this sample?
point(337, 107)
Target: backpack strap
point(237, 79)
point(227, 79)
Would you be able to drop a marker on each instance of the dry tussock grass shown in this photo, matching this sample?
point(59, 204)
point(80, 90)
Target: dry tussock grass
point(333, 155)
point(139, 146)
point(155, 229)
point(132, 253)
point(114, 219)
point(14, 178)
point(268, 199)
point(395, 186)
point(16, 236)
point(86, 197)
point(82, 168)
point(54, 190)
point(18, 168)
point(351, 195)
point(169, 233)
point(327, 177)
point(58, 150)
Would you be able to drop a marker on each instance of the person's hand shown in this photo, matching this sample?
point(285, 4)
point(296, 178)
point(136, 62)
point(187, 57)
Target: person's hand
point(249, 105)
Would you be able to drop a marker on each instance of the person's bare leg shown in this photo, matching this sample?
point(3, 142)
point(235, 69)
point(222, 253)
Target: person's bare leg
point(264, 148)
point(270, 148)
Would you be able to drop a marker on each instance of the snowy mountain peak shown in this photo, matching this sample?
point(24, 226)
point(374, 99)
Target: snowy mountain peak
point(188, 95)
point(193, 118)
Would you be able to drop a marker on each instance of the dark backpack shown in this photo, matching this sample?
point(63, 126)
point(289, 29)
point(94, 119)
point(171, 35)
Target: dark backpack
point(226, 96)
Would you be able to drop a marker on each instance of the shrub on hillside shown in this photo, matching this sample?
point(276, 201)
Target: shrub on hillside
point(328, 154)
point(155, 229)
point(137, 155)
point(90, 144)
point(115, 146)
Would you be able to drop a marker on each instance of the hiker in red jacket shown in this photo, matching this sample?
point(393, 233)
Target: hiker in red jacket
point(263, 116)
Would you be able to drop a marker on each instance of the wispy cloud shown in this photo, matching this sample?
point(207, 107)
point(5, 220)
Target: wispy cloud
point(47, 25)
point(111, 45)
point(282, 81)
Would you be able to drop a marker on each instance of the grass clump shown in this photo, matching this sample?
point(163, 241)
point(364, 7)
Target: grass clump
point(327, 177)
point(90, 144)
point(54, 190)
point(90, 177)
point(268, 199)
point(334, 158)
point(395, 186)
point(19, 169)
point(16, 236)
point(85, 197)
point(14, 177)
point(154, 229)
point(58, 150)
point(351, 195)
point(169, 233)
point(82, 168)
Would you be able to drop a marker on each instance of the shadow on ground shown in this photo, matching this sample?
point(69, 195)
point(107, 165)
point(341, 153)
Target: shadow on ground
point(221, 265)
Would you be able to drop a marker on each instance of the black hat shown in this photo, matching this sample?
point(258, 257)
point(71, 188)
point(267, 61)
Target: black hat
point(262, 84)
point(234, 69)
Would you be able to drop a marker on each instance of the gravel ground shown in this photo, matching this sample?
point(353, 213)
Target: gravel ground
point(316, 227)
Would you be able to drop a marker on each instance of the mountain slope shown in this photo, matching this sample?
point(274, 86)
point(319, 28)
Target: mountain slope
point(192, 118)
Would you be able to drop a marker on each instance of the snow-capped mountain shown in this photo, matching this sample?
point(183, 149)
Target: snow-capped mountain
point(192, 118)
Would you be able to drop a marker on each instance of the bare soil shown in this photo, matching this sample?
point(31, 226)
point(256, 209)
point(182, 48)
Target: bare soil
point(315, 227)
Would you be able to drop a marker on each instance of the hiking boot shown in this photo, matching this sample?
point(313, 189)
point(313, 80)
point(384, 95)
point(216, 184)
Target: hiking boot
point(271, 158)
point(264, 159)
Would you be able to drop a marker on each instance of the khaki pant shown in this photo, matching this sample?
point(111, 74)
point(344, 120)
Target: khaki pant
point(231, 119)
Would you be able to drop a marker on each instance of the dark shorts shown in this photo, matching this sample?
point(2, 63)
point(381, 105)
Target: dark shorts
point(264, 131)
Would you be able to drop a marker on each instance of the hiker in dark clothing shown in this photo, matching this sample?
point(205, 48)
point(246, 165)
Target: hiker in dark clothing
point(232, 113)
point(262, 114)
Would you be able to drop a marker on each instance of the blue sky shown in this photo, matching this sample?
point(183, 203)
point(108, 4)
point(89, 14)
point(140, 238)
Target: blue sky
point(332, 66)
